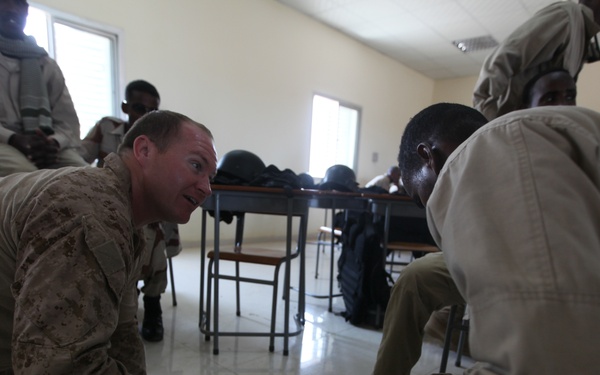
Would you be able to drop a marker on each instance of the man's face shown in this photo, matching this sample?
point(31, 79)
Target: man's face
point(395, 176)
point(138, 105)
point(420, 185)
point(556, 88)
point(177, 181)
point(13, 17)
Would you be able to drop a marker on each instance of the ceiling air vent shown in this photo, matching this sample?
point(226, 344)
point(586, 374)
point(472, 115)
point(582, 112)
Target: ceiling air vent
point(475, 44)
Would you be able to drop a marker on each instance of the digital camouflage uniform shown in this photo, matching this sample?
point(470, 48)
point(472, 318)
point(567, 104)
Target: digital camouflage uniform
point(69, 263)
point(104, 138)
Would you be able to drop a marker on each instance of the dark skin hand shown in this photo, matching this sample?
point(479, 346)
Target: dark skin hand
point(40, 149)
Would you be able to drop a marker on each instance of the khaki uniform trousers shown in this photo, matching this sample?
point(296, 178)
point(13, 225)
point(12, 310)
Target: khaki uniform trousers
point(13, 161)
point(423, 287)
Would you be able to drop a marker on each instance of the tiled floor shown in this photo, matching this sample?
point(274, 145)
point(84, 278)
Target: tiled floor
point(328, 344)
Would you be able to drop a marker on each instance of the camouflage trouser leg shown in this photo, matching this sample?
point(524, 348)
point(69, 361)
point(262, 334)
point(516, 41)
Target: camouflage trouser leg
point(162, 240)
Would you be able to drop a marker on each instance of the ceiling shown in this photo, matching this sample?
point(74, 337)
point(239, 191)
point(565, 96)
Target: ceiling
point(419, 33)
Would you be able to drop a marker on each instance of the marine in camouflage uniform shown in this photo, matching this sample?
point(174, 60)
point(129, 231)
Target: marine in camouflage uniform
point(104, 138)
point(70, 258)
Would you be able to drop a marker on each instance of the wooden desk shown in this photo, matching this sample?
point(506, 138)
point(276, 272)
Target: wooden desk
point(257, 200)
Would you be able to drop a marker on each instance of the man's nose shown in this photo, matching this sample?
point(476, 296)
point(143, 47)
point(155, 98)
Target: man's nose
point(204, 186)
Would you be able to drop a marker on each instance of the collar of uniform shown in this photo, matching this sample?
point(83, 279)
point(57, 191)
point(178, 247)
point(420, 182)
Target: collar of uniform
point(116, 164)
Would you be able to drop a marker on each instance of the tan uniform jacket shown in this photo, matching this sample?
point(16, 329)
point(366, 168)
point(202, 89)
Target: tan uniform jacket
point(516, 211)
point(104, 138)
point(64, 118)
point(555, 37)
point(69, 262)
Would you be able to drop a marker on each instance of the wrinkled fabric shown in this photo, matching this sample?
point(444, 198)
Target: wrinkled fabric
point(64, 118)
point(104, 138)
point(557, 36)
point(69, 263)
point(162, 242)
point(382, 181)
point(516, 211)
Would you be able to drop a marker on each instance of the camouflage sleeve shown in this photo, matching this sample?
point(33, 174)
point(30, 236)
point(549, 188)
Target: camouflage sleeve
point(126, 346)
point(74, 307)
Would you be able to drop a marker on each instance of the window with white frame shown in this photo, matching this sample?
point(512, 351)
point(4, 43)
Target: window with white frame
point(87, 56)
point(334, 135)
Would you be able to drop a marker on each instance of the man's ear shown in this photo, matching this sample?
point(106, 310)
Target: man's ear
point(142, 149)
point(425, 153)
point(125, 107)
point(431, 156)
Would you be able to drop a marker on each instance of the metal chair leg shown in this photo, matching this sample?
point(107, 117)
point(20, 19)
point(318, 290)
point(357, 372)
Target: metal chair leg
point(169, 259)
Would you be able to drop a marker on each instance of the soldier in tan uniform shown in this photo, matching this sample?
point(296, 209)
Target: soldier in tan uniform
point(420, 299)
point(515, 207)
point(71, 248)
point(38, 124)
point(558, 36)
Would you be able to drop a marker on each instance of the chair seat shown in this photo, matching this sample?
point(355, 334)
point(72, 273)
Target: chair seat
point(411, 246)
point(251, 255)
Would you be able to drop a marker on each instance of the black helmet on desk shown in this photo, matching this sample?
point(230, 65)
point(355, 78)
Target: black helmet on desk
point(339, 177)
point(240, 165)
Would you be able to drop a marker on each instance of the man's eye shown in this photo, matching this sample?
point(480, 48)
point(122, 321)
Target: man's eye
point(197, 166)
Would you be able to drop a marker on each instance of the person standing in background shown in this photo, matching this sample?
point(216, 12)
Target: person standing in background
point(558, 36)
point(39, 126)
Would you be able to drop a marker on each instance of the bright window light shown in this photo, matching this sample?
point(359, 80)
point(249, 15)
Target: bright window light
point(334, 134)
point(87, 58)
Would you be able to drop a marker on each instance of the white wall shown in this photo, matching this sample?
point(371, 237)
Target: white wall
point(248, 70)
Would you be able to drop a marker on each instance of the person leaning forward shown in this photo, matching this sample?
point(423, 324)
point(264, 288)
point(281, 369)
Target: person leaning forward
point(420, 298)
point(514, 205)
point(71, 247)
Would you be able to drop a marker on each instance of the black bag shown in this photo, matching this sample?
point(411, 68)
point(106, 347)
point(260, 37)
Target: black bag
point(364, 283)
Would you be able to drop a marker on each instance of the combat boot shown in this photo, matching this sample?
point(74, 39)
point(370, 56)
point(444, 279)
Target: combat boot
point(152, 326)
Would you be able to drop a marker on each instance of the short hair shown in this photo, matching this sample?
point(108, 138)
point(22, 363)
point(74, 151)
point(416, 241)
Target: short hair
point(527, 90)
point(161, 127)
point(393, 168)
point(447, 122)
point(141, 86)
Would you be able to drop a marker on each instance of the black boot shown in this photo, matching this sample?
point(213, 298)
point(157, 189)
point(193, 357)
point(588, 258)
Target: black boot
point(152, 327)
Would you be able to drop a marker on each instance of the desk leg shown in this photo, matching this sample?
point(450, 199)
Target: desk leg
point(202, 315)
point(386, 233)
point(302, 276)
point(332, 259)
point(286, 282)
point(216, 275)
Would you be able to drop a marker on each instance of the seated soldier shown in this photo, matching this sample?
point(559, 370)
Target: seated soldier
point(514, 206)
point(420, 299)
point(390, 181)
